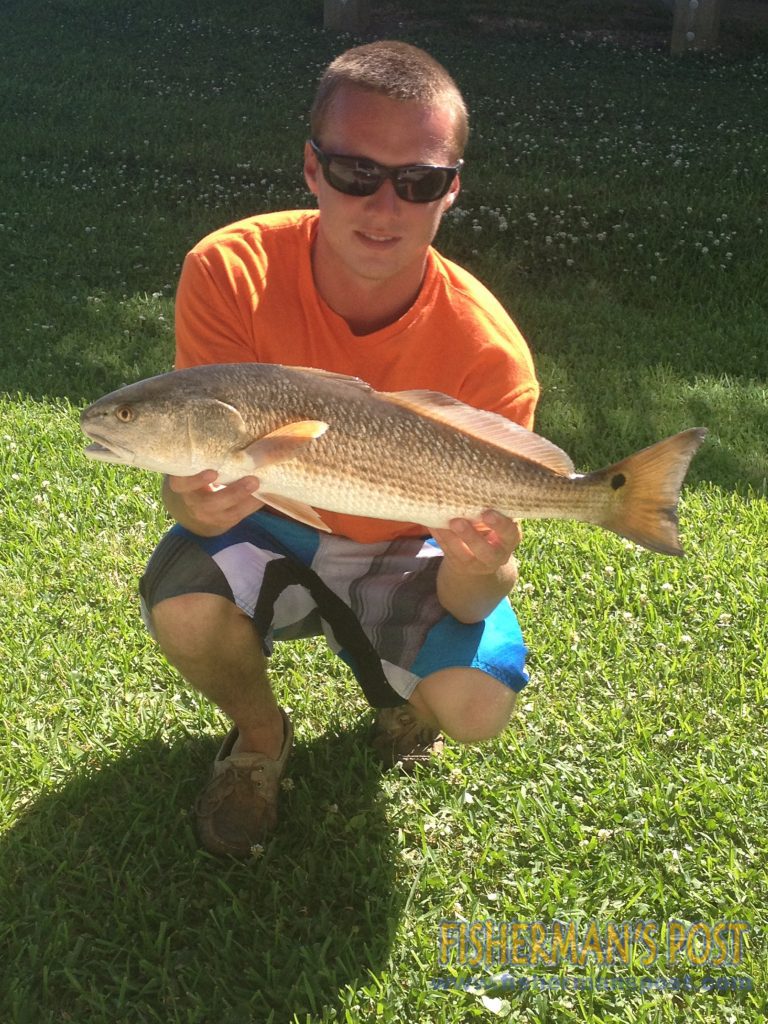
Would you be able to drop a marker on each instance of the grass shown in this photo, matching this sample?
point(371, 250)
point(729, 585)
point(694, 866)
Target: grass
point(614, 200)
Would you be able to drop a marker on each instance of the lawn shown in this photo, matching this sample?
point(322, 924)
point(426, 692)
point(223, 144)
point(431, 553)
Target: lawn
point(614, 199)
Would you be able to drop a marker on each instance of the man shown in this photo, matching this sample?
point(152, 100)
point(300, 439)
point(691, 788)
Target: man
point(352, 288)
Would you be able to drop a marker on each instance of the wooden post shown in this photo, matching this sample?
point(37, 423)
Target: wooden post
point(346, 15)
point(696, 25)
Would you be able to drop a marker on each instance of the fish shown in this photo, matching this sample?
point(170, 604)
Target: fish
point(319, 440)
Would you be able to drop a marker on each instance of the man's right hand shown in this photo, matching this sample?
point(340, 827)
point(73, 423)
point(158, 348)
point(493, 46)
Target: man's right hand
point(208, 509)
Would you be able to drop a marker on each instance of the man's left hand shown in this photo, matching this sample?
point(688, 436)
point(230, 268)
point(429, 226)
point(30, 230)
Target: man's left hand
point(479, 549)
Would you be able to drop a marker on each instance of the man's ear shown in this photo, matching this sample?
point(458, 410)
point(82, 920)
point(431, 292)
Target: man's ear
point(311, 169)
point(450, 197)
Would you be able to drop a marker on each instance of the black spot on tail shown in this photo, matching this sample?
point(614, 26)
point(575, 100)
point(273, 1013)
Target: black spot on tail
point(618, 481)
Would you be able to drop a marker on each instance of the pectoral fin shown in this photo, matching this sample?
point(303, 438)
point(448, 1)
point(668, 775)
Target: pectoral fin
point(296, 510)
point(283, 444)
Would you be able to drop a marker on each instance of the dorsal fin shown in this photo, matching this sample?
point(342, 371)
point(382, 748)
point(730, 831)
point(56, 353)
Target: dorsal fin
point(486, 426)
point(343, 378)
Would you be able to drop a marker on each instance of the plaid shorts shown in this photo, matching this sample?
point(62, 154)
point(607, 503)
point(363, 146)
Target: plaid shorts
point(376, 604)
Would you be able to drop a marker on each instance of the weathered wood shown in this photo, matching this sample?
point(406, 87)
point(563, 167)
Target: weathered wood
point(696, 25)
point(346, 15)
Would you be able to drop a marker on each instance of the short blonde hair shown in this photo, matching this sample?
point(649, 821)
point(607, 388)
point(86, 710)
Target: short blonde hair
point(397, 70)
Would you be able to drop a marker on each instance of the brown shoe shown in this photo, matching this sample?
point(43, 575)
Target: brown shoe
point(399, 737)
point(238, 807)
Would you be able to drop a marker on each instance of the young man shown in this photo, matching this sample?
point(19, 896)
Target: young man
point(353, 288)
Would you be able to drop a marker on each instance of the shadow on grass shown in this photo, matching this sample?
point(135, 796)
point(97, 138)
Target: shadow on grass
point(108, 904)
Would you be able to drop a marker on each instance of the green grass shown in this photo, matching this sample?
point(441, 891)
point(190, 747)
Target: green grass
point(615, 200)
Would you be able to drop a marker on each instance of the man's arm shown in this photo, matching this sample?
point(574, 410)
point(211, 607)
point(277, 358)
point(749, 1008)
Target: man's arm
point(208, 323)
point(479, 568)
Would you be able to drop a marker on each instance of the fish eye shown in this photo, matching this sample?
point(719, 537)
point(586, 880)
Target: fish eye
point(124, 413)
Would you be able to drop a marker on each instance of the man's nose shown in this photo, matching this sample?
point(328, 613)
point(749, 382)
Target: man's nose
point(385, 198)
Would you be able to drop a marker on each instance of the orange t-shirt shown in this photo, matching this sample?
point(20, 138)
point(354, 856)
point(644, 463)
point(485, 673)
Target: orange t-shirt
point(247, 294)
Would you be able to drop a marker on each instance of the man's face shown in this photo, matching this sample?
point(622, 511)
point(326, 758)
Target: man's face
point(380, 238)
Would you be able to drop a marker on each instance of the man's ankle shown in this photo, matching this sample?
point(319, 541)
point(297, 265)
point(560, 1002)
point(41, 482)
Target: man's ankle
point(263, 738)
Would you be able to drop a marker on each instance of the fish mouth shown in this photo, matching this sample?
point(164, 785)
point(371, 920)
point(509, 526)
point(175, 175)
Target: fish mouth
point(108, 452)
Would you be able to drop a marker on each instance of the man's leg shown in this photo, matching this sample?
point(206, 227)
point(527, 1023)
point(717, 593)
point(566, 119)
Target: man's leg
point(216, 649)
point(465, 703)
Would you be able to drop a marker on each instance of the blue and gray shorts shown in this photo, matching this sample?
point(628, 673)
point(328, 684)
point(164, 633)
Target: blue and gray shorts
point(376, 604)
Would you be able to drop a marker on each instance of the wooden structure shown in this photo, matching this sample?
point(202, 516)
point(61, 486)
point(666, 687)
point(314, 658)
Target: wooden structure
point(696, 25)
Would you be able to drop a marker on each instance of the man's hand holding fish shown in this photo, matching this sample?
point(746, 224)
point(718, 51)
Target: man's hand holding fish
point(206, 508)
point(479, 568)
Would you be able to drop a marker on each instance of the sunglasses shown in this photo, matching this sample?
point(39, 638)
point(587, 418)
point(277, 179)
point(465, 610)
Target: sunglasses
point(358, 176)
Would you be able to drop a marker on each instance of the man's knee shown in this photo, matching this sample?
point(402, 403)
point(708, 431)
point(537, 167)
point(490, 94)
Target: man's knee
point(469, 705)
point(191, 623)
point(478, 722)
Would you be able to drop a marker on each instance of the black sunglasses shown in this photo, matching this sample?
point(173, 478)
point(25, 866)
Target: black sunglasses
point(358, 176)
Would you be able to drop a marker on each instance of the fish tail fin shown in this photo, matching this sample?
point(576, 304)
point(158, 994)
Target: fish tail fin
point(644, 490)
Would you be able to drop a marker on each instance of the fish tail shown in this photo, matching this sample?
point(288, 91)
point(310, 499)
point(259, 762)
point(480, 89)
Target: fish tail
point(643, 491)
